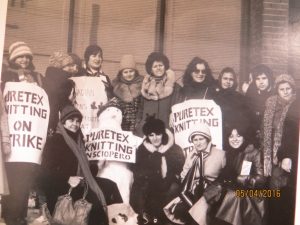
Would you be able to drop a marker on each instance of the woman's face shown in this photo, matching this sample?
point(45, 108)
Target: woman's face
point(72, 124)
point(200, 142)
point(158, 68)
point(285, 91)
point(71, 68)
point(23, 61)
point(155, 139)
point(128, 74)
point(198, 74)
point(262, 82)
point(227, 80)
point(235, 140)
point(95, 61)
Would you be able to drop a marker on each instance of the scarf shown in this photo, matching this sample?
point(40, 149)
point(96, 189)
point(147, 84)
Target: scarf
point(272, 137)
point(154, 88)
point(79, 151)
point(127, 91)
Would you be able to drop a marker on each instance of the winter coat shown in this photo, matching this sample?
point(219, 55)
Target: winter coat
point(157, 98)
point(233, 209)
point(59, 88)
point(58, 164)
point(151, 185)
point(13, 75)
point(4, 139)
point(256, 101)
point(194, 90)
point(233, 105)
point(129, 95)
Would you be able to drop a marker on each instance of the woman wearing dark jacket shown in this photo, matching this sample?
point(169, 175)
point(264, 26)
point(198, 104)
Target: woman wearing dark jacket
point(198, 82)
point(259, 90)
point(279, 146)
point(64, 161)
point(58, 86)
point(235, 209)
point(21, 175)
point(157, 90)
point(157, 168)
point(127, 87)
point(232, 103)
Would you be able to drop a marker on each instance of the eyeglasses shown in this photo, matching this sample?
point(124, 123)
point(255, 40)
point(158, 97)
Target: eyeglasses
point(199, 71)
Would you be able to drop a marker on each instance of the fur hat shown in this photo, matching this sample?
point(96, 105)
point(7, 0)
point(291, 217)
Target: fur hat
point(154, 125)
point(114, 102)
point(92, 50)
point(127, 62)
point(17, 49)
point(60, 60)
point(200, 129)
point(68, 112)
point(285, 78)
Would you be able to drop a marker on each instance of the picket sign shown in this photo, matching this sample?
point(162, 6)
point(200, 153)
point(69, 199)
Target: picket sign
point(28, 112)
point(191, 113)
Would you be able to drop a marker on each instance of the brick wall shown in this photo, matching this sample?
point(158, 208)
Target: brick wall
point(269, 20)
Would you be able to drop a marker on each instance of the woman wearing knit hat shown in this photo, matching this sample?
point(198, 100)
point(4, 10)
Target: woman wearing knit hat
point(21, 175)
point(21, 68)
point(158, 164)
point(157, 90)
point(275, 162)
point(58, 86)
point(257, 91)
point(202, 166)
point(127, 87)
point(65, 163)
point(243, 171)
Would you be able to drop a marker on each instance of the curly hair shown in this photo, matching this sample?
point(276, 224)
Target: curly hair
point(159, 57)
point(263, 69)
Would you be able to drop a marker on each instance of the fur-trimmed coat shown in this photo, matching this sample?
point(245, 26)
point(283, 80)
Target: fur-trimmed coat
point(129, 95)
point(154, 172)
point(156, 99)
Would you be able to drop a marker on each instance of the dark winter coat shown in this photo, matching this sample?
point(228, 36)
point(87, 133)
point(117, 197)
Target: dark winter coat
point(58, 164)
point(158, 104)
point(150, 190)
point(233, 105)
point(58, 87)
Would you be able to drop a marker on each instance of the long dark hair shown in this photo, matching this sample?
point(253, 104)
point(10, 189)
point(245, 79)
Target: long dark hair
point(191, 67)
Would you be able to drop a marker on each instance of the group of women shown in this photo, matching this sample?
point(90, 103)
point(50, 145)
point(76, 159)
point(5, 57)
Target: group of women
point(260, 133)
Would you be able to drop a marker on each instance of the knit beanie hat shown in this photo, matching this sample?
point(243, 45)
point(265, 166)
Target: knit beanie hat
point(60, 60)
point(285, 78)
point(200, 129)
point(92, 50)
point(153, 125)
point(17, 49)
point(68, 112)
point(114, 102)
point(127, 62)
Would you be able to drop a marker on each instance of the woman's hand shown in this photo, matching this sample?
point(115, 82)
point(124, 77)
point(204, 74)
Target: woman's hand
point(74, 181)
point(286, 164)
point(246, 85)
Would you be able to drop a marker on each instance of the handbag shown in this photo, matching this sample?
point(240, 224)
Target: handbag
point(66, 212)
